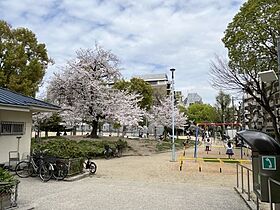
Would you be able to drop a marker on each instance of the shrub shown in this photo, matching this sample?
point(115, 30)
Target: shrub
point(5, 176)
point(64, 148)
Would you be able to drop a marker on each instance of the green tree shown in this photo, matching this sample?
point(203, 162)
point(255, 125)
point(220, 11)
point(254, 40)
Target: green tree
point(251, 40)
point(140, 87)
point(202, 113)
point(23, 60)
point(223, 102)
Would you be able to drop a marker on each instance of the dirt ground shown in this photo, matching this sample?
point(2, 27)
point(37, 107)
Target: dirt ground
point(144, 164)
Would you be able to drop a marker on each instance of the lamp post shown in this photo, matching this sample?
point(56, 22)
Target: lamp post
point(173, 158)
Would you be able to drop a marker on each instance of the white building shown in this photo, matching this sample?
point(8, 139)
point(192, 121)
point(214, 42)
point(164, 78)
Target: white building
point(192, 98)
point(16, 121)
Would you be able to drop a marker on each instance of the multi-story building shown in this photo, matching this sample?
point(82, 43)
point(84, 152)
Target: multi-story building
point(192, 98)
point(160, 84)
point(256, 117)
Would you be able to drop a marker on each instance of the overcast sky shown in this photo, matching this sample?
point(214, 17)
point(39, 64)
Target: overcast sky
point(148, 36)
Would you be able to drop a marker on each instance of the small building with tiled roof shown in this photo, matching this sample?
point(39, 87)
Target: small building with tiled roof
point(16, 121)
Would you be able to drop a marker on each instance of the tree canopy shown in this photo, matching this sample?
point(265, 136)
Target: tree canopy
point(202, 113)
point(83, 92)
point(139, 86)
point(251, 40)
point(23, 61)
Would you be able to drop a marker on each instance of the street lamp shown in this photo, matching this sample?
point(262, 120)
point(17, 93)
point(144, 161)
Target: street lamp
point(173, 117)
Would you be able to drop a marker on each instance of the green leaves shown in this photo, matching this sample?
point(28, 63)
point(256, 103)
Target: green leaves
point(23, 60)
point(139, 86)
point(251, 37)
point(202, 113)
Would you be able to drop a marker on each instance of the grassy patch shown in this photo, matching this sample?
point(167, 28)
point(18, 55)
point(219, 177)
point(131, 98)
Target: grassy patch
point(167, 145)
point(226, 160)
point(212, 160)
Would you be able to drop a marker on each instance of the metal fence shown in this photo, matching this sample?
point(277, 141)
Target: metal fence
point(270, 180)
point(245, 181)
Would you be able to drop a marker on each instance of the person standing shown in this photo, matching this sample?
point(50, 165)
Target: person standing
point(229, 150)
point(208, 144)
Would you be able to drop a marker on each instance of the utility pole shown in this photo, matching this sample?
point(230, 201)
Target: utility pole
point(278, 56)
point(173, 117)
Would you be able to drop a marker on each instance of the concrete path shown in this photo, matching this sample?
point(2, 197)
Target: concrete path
point(139, 182)
point(99, 193)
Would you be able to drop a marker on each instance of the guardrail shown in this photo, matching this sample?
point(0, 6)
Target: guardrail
point(270, 180)
point(244, 189)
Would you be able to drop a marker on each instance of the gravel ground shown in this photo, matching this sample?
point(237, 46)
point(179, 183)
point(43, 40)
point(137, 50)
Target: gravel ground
point(99, 193)
point(139, 182)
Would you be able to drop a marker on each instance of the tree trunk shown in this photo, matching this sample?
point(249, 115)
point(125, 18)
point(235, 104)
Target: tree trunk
point(74, 130)
point(94, 125)
point(46, 133)
point(124, 131)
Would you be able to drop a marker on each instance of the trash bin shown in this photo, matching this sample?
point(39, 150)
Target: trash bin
point(265, 163)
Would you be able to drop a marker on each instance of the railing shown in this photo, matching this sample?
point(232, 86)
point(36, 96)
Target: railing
point(270, 180)
point(245, 190)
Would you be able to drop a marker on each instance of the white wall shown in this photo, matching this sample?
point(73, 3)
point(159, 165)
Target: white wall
point(10, 142)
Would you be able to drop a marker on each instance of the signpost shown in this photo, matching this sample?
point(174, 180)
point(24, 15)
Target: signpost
point(269, 163)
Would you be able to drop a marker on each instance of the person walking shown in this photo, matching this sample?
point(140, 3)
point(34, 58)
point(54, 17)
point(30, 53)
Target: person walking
point(229, 150)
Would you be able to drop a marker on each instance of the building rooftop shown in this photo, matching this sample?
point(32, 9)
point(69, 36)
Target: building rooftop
point(152, 77)
point(11, 98)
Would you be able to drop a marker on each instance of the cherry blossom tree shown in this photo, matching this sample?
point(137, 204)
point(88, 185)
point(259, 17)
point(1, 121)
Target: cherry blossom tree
point(161, 115)
point(124, 109)
point(83, 87)
point(38, 120)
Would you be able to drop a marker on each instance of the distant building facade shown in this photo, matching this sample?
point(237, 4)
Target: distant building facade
point(160, 83)
point(192, 98)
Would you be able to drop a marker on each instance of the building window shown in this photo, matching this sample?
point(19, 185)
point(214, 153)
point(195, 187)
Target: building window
point(12, 128)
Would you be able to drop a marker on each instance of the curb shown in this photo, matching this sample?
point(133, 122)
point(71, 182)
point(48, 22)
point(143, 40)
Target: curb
point(251, 205)
point(77, 177)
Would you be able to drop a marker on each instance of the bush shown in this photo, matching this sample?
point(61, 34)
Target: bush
point(5, 176)
point(64, 148)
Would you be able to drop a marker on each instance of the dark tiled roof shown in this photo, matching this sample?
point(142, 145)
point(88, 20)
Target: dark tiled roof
point(8, 97)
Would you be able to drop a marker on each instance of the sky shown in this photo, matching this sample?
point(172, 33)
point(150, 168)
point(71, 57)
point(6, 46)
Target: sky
point(148, 36)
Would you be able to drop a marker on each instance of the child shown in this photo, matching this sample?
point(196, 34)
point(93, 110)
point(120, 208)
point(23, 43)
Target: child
point(229, 150)
point(208, 144)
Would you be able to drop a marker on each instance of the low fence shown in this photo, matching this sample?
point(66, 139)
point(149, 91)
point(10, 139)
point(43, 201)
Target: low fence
point(75, 165)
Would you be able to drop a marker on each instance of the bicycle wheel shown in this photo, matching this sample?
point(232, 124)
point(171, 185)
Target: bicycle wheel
point(46, 171)
point(92, 168)
point(24, 169)
point(60, 171)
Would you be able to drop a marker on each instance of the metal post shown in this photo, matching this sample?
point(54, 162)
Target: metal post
point(195, 145)
point(248, 180)
point(242, 183)
point(237, 175)
point(269, 194)
point(173, 118)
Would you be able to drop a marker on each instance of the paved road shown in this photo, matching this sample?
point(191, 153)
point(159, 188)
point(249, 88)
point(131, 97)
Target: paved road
point(101, 193)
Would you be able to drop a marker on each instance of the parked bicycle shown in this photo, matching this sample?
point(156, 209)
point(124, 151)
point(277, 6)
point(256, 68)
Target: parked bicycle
point(112, 152)
point(90, 166)
point(60, 168)
point(37, 165)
